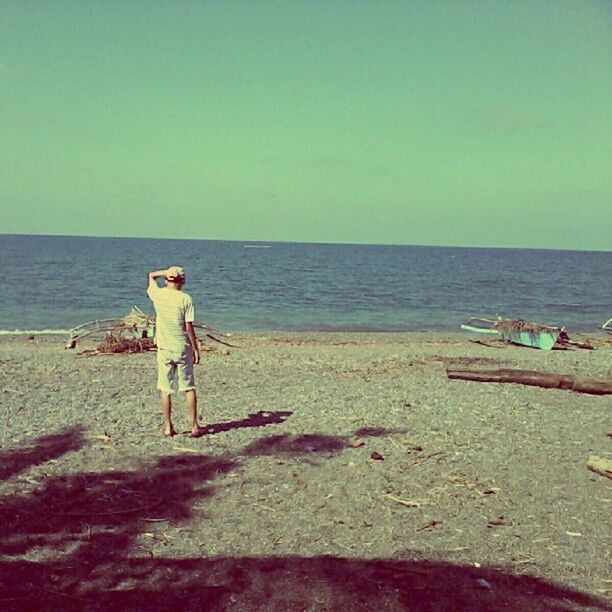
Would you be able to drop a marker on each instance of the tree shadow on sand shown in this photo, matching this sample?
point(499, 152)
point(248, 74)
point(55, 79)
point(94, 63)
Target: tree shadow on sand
point(71, 545)
point(43, 450)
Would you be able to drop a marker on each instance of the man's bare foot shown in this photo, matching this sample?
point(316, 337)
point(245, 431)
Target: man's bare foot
point(198, 431)
point(169, 432)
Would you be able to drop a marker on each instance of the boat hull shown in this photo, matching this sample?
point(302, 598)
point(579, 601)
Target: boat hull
point(544, 340)
point(532, 335)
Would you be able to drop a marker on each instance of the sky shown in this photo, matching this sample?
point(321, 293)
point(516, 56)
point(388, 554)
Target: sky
point(468, 123)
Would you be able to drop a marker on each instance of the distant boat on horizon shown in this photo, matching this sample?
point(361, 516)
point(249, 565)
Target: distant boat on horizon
point(257, 246)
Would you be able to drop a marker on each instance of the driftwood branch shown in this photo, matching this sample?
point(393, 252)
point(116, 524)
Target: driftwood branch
point(600, 466)
point(221, 341)
point(582, 345)
point(535, 379)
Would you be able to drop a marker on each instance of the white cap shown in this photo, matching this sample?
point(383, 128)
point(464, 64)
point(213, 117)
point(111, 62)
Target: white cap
point(174, 273)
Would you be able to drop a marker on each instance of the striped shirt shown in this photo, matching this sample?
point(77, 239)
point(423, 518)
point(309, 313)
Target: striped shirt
point(173, 308)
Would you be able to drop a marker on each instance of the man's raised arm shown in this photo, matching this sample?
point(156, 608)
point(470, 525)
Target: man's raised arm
point(153, 276)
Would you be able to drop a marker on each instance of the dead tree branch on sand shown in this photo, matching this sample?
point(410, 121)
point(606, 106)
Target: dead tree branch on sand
point(536, 379)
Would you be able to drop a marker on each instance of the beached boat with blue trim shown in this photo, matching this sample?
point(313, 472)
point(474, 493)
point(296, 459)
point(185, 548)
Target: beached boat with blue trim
point(517, 331)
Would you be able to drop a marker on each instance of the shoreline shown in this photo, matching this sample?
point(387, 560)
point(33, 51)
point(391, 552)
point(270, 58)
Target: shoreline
point(436, 333)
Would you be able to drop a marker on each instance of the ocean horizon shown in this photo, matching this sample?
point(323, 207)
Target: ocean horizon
point(303, 242)
point(63, 281)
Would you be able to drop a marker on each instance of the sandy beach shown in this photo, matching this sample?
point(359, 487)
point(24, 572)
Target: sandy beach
point(339, 471)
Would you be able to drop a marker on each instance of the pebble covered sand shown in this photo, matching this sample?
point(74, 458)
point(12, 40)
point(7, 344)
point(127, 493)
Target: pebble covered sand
point(338, 471)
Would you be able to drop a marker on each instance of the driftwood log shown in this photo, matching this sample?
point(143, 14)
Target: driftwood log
point(600, 466)
point(536, 379)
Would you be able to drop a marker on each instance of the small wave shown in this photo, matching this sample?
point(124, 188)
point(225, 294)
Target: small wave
point(594, 308)
point(32, 332)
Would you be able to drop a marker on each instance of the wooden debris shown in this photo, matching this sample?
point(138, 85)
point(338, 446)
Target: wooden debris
point(102, 437)
point(117, 342)
point(186, 449)
point(132, 333)
point(221, 341)
point(429, 525)
point(600, 466)
point(496, 522)
point(583, 345)
point(409, 503)
point(535, 379)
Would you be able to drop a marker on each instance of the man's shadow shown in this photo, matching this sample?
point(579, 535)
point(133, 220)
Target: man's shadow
point(257, 419)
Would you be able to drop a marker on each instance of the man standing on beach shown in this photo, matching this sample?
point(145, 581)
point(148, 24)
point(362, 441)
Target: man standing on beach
point(177, 346)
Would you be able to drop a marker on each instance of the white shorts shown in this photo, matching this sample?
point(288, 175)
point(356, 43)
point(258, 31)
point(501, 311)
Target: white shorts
point(175, 370)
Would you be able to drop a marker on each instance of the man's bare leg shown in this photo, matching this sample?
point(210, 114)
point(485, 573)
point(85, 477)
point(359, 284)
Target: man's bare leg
point(166, 402)
point(192, 408)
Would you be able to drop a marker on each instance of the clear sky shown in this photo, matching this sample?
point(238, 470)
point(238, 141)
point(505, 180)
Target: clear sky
point(477, 123)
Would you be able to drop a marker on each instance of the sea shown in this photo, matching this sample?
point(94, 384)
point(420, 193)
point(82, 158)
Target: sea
point(54, 283)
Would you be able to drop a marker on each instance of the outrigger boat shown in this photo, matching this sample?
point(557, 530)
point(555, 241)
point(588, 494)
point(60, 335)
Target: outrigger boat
point(136, 326)
point(517, 331)
point(607, 326)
